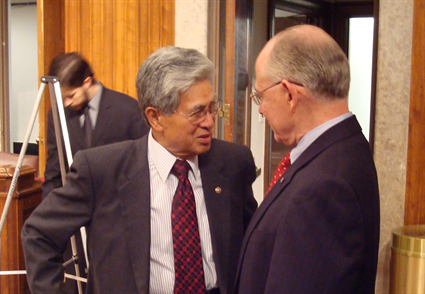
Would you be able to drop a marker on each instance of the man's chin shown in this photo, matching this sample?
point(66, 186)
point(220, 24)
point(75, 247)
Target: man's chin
point(204, 147)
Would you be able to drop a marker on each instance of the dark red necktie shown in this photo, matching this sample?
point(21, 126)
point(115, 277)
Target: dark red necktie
point(189, 271)
point(280, 170)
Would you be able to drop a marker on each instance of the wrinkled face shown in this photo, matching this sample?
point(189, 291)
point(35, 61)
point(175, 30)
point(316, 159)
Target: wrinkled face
point(179, 134)
point(74, 98)
point(276, 108)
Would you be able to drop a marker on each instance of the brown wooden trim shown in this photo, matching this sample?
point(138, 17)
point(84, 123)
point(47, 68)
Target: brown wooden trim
point(415, 177)
point(51, 41)
point(229, 91)
point(213, 48)
point(4, 78)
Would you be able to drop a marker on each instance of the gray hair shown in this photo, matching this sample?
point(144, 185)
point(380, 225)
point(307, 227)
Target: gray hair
point(168, 73)
point(317, 63)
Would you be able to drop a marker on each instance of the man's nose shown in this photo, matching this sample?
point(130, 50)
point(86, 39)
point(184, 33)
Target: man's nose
point(66, 102)
point(260, 109)
point(209, 120)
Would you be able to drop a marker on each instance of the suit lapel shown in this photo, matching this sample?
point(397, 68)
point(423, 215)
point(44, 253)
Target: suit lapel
point(76, 133)
point(214, 193)
point(217, 189)
point(134, 194)
point(103, 117)
point(344, 129)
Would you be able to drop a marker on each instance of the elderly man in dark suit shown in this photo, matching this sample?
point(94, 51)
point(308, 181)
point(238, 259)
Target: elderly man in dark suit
point(165, 213)
point(317, 230)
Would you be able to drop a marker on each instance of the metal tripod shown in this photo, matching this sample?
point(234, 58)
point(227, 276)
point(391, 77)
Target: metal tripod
point(59, 124)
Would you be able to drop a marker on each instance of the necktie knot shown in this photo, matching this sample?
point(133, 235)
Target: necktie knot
point(280, 170)
point(181, 168)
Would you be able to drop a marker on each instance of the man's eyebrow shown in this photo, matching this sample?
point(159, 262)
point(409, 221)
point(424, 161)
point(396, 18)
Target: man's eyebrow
point(201, 106)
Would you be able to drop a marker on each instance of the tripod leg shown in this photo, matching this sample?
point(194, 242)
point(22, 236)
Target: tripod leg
point(77, 269)
point(55, 88)
point(60, 123)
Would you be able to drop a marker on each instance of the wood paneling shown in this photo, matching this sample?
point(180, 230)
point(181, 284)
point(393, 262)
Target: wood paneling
point(117, 35)
point(25, 199)
point(50, 43)
point(415, 178)
point(4, 78)
point(229, 91)
point(114, 35)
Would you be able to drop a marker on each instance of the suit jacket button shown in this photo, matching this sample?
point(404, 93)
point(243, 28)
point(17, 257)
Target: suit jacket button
point(218, 190)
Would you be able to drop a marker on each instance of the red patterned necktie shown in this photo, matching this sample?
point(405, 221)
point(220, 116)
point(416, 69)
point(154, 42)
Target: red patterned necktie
point(281, 168)
point(189, 272)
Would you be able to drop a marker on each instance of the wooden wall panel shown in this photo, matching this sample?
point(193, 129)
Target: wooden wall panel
point(114, 35)
point(229, 91)
point(415, 178)
point(4, 78)
point(50, 43)
point(117, 35)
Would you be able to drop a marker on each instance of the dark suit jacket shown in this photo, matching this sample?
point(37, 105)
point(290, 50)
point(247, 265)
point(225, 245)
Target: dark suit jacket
point(119, 119)
point(317, 231)
point(108, 191)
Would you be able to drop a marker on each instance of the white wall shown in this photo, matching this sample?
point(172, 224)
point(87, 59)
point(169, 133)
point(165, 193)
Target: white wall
point(360, 54)
point(257, 121)
point(23, 71)
point(191, 23)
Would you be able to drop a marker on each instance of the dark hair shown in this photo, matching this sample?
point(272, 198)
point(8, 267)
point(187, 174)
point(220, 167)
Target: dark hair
point(71, 69)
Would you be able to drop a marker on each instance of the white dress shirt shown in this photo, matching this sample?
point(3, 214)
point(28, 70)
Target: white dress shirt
point(163, 186)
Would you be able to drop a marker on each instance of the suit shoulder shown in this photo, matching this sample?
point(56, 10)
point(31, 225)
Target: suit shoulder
point(229, 145)
point(225, 148)
point(123, 99)
point(113, 150)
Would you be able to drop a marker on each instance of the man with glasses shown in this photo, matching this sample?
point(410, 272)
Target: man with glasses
point(165, 213)
point(317, 230)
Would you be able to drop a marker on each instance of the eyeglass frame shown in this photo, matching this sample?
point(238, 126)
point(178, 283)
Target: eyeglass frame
point(202, 114)
point(255, 96)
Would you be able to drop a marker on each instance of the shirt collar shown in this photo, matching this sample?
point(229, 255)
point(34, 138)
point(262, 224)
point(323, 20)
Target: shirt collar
point(95, 101)
point(163, 160)
point(312, 135)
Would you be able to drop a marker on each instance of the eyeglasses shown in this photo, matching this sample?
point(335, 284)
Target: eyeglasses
point(256, 96)
point(199, 114)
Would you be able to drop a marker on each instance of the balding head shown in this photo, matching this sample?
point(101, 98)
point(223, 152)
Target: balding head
point(308, 55)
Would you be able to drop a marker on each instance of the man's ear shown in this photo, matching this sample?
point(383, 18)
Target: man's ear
point(293, 94)
point(153, 116)
point(87, 82)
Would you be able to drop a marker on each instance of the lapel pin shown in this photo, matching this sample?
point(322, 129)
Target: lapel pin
point(218, 190)
point(282, 179)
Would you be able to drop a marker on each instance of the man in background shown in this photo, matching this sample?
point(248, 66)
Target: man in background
point(114, 116)
point(164, 214)
point(317, 230)
point(95, 116)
